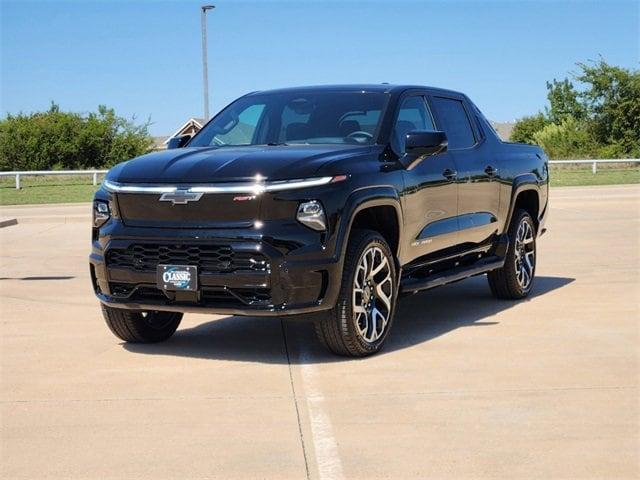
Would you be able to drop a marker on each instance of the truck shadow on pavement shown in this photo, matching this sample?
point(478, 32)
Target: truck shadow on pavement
point(419, 318)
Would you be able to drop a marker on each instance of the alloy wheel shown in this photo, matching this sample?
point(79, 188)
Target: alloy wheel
point(372, 294)
point(525, 255)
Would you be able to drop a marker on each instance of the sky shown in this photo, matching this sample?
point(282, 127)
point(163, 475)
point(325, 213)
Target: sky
point(144, 58)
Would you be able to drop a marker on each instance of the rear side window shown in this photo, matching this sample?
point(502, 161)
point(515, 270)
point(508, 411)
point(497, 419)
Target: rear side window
point(454, 121)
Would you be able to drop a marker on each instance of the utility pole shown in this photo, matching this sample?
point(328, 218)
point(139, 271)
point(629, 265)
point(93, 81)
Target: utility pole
point(205, 72)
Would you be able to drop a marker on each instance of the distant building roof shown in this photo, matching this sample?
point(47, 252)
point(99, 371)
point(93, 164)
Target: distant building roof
point(190, 127)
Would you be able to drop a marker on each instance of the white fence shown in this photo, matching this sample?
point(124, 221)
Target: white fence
point(94, 173)
point(595, 162)
point(40, 173)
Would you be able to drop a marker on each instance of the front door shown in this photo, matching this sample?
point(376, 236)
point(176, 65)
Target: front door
point(430, 194)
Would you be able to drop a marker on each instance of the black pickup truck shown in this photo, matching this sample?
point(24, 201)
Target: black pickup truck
point(328, 202)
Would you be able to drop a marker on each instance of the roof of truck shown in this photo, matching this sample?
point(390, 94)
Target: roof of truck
point(364, 87)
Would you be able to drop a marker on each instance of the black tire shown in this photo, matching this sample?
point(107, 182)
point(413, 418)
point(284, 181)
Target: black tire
point(504, 282)
point(141, 327)
point(337, 329)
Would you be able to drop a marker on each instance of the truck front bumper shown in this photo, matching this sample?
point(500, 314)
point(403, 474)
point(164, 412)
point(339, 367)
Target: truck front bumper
point(237, 274)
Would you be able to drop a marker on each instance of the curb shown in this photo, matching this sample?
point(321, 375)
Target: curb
point(7, 222)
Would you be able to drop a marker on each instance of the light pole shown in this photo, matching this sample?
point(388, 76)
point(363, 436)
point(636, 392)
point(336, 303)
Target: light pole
point(205, 73)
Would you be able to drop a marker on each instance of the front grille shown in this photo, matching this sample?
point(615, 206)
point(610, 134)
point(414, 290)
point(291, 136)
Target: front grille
point(218, 210)
point(208, 258)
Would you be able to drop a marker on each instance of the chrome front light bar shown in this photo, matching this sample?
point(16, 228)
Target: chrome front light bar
point(255, 188)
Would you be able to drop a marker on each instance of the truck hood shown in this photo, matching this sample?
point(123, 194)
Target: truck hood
point(229, 164)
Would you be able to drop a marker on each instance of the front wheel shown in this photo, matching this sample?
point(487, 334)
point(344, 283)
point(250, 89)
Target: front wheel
point(362, 317)
point(515, 279)
point(141, 327)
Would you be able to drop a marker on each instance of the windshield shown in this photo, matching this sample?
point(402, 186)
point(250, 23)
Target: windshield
point(296, 118)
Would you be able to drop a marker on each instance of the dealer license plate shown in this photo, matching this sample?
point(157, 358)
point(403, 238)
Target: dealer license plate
point(178, 277)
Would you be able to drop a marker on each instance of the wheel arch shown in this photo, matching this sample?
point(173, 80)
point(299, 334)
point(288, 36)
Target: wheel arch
point(525, 194)
point(376, 208)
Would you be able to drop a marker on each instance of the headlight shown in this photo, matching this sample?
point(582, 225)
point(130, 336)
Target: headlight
point(101, 213)
point(312, 215)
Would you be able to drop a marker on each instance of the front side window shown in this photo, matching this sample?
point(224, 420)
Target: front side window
point(455, 122)
point(296, 118)
point(413, 115)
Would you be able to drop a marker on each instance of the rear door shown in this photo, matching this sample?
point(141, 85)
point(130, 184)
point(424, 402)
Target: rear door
point(477, 174)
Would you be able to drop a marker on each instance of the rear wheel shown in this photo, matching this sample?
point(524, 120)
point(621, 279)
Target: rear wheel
point(141, 327)
point(362, 317)
point(515, 279)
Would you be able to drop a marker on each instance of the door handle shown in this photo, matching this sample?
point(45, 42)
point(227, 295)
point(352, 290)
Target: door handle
point(491, 171)
point(449, 174)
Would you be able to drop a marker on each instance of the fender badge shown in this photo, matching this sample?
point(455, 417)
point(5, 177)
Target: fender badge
point(423, 241)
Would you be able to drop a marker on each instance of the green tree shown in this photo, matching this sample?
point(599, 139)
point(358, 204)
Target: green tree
point(525, 128)
point(63, 140)
point(612, 98)
point(598, 118)
point(569, 139)
point(563, 102)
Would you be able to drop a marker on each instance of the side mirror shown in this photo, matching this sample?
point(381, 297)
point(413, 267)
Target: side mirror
point(178, 142)
point(419, 145)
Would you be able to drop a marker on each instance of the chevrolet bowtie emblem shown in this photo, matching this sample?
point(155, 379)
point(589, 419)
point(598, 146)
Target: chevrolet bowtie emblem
point(180, 197)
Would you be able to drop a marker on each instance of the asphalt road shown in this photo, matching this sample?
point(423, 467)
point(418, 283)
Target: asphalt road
point(468, 386)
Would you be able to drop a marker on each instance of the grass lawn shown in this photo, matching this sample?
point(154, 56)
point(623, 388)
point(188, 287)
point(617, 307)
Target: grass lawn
point(79, 189)
point(54, 189)
point(569, 176)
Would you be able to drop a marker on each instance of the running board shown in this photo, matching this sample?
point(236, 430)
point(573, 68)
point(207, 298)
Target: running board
point(414, 285)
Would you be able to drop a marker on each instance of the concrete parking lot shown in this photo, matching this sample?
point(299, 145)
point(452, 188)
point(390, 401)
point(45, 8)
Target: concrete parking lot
point(468, 386)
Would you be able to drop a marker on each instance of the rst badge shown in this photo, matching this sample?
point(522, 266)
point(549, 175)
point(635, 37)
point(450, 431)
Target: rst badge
point(181, 197)
point(244, 198)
